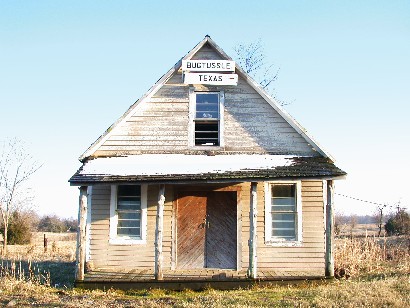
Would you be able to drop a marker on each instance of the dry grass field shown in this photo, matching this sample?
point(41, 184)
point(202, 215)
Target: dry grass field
point(376, 273)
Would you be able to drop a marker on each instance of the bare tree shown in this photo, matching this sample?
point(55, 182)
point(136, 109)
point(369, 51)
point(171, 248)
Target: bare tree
point(340, 223)
point(16, 168)
point(353, 224)
point(380, 214)
point(251, 57)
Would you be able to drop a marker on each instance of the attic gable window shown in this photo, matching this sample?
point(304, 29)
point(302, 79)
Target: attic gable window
point(206, 118)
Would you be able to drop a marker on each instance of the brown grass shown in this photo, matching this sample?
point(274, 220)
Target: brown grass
point(33, 263)
point(372, 256)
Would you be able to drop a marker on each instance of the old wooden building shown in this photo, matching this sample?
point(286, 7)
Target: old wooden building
point(205, 180)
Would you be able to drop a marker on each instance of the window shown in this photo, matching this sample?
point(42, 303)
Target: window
point(128, 214)
point(206, 117)
point(283, 212)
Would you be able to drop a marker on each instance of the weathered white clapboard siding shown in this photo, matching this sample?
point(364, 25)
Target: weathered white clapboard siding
point(161, 124)
point(308, 259)
point(261, 128)
point(104, 254)
point(207, 53)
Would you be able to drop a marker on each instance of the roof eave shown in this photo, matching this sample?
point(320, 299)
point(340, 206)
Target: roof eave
point(209, 181)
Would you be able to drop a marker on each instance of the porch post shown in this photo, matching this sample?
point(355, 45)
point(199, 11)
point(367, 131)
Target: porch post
point(329, 269)
point(159, 233)
point(253, 216)
point(81, 234)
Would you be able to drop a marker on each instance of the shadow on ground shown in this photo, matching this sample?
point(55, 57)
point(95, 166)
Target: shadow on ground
point(58, 274)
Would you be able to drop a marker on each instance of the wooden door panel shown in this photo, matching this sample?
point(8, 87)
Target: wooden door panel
point(221, 233)
point(206, 230)
point(191, 212)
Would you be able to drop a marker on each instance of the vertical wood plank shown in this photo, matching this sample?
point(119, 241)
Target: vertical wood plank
point(81, 234)
point(191, 229)
point(221, 232)
point(329, 270)
point(159, 233)
point(253, 215)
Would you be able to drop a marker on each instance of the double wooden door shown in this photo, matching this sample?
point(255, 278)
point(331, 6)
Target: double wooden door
point(207, 230)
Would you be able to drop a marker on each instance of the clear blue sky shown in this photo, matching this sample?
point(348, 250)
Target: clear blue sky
point(69, 69)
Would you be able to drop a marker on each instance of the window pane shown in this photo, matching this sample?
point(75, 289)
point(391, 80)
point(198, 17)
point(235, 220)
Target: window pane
point(129, 223)
point(283, 204)
point(128, 203)
point(132, 232)
point(284, 225)
point(129, 190)
point(277, 217)
point(283, 233)
point(284, 201)
point(206, 133)
point(283, 197)
point(207, 106)
point(201, 114)
point(129, 215)
point(129, 197)
point(283, 190)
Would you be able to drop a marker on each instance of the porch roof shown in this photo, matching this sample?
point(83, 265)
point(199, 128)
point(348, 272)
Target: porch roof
point(181, 168)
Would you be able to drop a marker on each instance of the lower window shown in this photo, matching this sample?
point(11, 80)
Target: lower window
point(283, 212)
point(128, 214)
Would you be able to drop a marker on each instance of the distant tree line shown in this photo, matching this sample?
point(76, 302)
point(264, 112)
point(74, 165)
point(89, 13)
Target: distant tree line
point(23, 223)
point(397, 223)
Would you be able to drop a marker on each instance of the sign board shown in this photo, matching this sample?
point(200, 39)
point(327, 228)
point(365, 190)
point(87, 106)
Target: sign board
point(208, 65)
point(211, 78)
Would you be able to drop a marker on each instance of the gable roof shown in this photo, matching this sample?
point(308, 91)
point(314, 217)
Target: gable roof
point(207, 40)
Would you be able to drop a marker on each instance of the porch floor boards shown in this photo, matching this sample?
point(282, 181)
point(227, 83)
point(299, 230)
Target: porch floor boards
point(144, 275)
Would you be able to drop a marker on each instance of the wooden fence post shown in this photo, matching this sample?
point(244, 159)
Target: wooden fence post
point(45, 242)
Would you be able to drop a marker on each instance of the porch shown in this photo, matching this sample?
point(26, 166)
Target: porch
point(143, 278)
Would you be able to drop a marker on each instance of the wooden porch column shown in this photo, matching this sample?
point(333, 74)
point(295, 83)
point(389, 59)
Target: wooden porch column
point(81, 234)
point(253, 216)
point(159, 233)
point(329, 269)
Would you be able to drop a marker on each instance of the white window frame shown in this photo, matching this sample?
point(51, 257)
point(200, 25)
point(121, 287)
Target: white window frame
point(124, 240)
point(269, 240)
point(192, 116)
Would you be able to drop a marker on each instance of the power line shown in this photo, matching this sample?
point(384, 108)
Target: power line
point(361, 200)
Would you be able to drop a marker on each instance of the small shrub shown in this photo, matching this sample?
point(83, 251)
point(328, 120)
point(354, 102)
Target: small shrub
point(19, 230)
point(399, 224)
